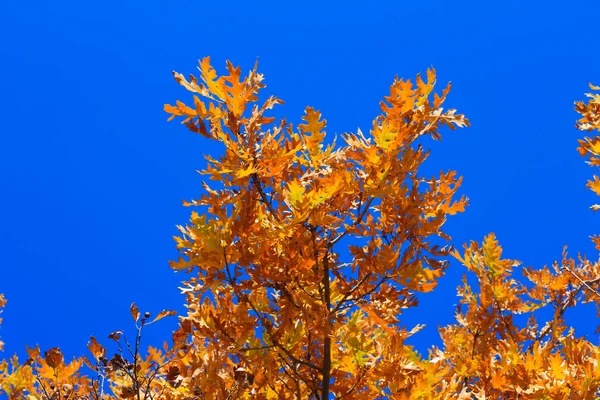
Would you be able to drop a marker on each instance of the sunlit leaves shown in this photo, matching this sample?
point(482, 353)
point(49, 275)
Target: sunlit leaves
point(295, 192)
point(268, 277)
point(590, 111)
point(2, 304)
point(590, 147)
point(305, 253)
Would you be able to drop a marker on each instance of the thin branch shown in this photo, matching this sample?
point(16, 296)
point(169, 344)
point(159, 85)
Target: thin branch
point(257, 348)
point(311, 386)
point(290, 376)
point(304, 290)
point(227, 271)
point(367, 293)
point(503, 319)
point(475, 337)
point(274, 389)
point(277, 344)
point(360, 198)
point(43, 387)
point(353, 388)
point(584, 283)
point(354, 224)
point(562, 310)
point(327, 338)
point(347, 295)
point(124, 367)
point(284, 291)
point(162, 391)
point(138, 338)
point(152, 376)
point(296, 360)
point(235, 386)
point(298, 390)
point(259, 189)
point(313, 233)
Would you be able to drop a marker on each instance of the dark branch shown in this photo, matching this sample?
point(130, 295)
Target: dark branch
point(347, 295)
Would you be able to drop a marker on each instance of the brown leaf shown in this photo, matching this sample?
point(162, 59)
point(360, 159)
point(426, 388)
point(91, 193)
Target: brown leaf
point(116, 363)
point(33, 353)
point(179, 338)
point(243, 377)
point(96, 349)
point(116, 335)
point(53, 357)
point(135, 313)
point(127, 392)
point(172, 373)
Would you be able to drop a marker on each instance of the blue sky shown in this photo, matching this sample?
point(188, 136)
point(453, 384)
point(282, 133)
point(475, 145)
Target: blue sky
point(92, 175)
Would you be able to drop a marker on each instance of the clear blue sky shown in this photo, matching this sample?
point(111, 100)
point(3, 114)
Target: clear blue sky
point(92, 176)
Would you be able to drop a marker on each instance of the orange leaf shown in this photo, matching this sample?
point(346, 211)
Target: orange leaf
point(162, 314)
point(53, 358)
point(96, 349)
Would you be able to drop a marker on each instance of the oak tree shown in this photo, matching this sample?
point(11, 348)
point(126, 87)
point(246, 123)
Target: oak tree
point(304, 250)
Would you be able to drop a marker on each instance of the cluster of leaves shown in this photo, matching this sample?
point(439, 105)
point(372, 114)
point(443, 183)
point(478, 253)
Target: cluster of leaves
point(2, 304)
point(127, 374)
point(590, 147)
point(307, 252)
point(271, 290)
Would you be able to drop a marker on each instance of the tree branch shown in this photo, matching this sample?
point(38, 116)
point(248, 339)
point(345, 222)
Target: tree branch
point(562, 310)
point(367, 293)
point(353, 388)
point(584, 283)
point(259, 189)
point(358, 220)
point(347, 295)
point(327, 339)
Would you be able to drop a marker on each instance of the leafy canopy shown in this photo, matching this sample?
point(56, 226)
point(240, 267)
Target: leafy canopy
point(303, 254)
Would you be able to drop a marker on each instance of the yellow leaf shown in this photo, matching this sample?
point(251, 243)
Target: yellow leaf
point(556, 364)
point(242, 173)
point(295, 192)
point(386, 137)
point(313, 124)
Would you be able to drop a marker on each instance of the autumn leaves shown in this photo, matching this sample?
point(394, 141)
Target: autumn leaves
point(303, 255)
point(269, 264)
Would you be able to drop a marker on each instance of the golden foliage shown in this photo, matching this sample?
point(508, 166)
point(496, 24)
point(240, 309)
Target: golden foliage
point(303, 256)
point(2, 304)
point(271, 290)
